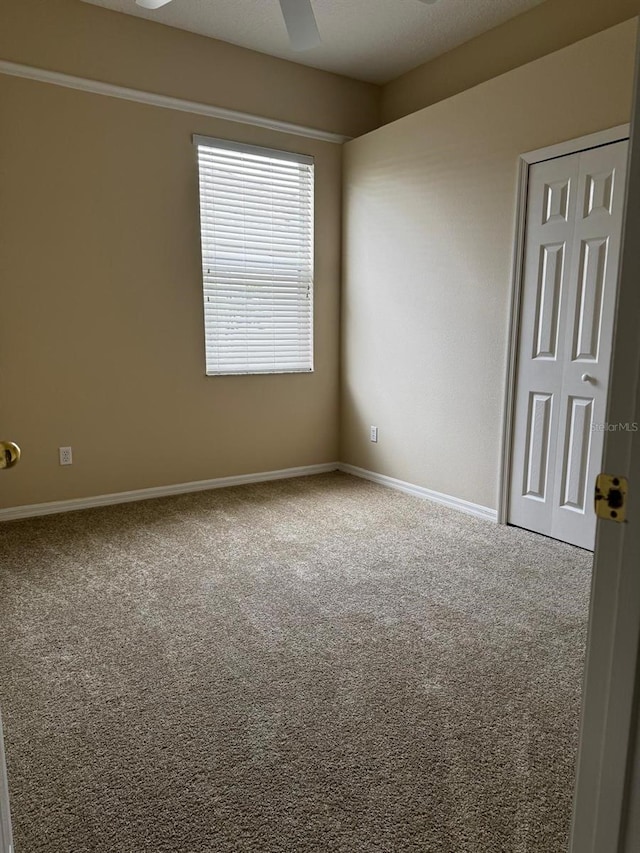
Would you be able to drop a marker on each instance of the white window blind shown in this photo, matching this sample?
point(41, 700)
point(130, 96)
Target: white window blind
point(256, 224)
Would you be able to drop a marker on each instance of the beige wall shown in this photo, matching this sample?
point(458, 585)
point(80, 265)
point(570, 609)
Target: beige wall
point(538, 32)
point(102, 347)
point(430, 211)
point(101, 339)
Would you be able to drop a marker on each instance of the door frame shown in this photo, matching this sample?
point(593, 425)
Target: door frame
point(606, 813)
point(6, 838)
point(525, 161)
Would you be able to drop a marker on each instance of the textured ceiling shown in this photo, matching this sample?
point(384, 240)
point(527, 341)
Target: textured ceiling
point(374, 40)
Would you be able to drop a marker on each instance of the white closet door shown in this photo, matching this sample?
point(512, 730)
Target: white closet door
point(572, 247)
point(549, 239)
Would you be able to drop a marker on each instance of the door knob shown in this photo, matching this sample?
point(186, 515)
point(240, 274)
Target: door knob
point(9, 454)
point(586, 377)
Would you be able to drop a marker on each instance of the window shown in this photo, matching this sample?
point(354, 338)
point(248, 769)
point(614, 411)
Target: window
point(256, 225)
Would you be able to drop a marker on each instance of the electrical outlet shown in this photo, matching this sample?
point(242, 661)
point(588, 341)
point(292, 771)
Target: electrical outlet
point(66, 456)
point(373, 433)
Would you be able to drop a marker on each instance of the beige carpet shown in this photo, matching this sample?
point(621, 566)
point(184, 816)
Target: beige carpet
point(318, 665)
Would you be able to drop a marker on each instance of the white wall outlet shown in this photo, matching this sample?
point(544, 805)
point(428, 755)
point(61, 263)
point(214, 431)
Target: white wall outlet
point(66, 456)
point(373, 433)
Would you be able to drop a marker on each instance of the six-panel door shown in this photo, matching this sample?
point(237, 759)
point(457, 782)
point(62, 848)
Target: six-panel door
point(572, 247)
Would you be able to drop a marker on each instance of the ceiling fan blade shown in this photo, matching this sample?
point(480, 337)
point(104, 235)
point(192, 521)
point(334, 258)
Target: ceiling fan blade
point(152, 4)
point(300, 23)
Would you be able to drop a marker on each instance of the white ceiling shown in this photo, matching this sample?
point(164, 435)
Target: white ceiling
point(374, 40)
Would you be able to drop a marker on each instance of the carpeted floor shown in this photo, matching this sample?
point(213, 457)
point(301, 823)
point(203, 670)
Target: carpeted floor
point(317, 665)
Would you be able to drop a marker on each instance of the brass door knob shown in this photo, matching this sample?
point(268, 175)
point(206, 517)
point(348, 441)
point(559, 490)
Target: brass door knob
point(9, 454)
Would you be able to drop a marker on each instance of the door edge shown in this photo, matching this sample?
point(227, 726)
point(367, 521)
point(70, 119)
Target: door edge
point(6, 836)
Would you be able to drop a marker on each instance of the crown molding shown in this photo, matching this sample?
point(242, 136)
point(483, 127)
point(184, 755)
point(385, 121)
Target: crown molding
point(153, 99)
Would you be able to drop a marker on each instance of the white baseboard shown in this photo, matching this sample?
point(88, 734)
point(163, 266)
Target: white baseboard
point(479, 511)
point(52, 507)
point(31, 510)
point(6, 839)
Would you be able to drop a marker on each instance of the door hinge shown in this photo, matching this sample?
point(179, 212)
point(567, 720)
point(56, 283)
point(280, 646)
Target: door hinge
point(611, 497)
